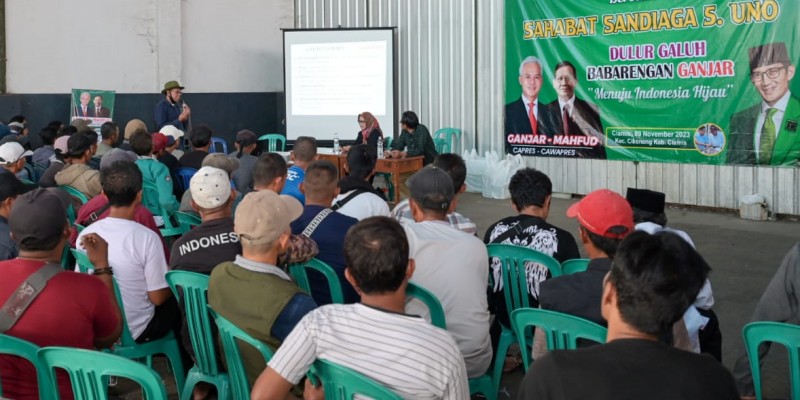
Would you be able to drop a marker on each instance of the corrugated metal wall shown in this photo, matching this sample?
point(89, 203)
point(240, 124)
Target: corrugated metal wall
point(450, 59)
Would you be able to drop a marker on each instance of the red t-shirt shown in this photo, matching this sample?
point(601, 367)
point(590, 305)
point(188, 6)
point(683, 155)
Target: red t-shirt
point(142, 216)
point(72, 310)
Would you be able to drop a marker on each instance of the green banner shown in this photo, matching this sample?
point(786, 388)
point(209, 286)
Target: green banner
point(97, 106)
point(654, 80)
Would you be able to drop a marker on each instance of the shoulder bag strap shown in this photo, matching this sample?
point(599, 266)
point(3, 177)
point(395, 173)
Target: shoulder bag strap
point(339, 204)
point(312, 226)
point(19, 301)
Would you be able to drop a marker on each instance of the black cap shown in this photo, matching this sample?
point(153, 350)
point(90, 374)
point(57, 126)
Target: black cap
point(646, 200)
point(431, 188)
point(10, 186)
point(38, 216)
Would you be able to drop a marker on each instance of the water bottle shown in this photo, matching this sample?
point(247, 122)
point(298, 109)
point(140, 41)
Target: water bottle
point(380, 147)
point(335, 143)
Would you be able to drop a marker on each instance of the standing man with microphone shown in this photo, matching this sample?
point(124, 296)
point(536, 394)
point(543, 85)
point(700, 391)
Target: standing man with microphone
point(171, 110)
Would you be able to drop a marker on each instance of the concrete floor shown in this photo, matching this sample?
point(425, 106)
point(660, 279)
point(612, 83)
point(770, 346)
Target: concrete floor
point(743, 255)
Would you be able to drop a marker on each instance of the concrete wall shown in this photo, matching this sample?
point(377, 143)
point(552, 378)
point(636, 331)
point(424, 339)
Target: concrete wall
point(228, 55)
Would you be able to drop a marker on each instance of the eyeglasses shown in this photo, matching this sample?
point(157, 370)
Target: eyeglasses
point(771, 73)
point(361, 121)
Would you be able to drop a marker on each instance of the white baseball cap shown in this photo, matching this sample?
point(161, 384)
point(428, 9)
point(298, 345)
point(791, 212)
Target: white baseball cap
point(210, 187)
point(171, 130)
point(11, 152)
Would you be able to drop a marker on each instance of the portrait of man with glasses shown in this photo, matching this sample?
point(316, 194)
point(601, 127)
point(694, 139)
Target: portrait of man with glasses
point(767, 133)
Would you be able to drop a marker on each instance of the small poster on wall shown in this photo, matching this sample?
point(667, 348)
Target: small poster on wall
point(97, 106)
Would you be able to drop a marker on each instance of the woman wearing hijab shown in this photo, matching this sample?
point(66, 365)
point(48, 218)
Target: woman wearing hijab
point(370, 131)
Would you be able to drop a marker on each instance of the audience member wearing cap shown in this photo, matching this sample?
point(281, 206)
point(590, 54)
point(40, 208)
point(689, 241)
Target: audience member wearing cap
point(320, 188)
point(72, 310)
point(19, 134)
point(82, 125)
point(76, 172)
point(246, 142)
point(357, 197)
point(98, 207)
point(200, 136)
point(109, 133)
point(131, 127)
point(10, 188)
point(43, 154)
point(531, 193)
point(171, 110)
point(454, 165)
point(303, 153)
point(174, 136)
point(652, 280)
point(269, 173)
point(355, 335)
point(450, 263)
point(700, 320)
point(252, 291)
point(57, 162)
point(156, 174)
point(136, 254)
point(766, 133)
point(604, 219)
point(12, 158)
point(213, 241)
point(216, 160)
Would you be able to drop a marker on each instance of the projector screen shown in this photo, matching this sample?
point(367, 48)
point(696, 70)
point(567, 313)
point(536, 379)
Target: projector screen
point(332, 75)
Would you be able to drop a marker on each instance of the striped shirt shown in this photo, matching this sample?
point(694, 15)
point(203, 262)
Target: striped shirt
point(402, 212)
point(404, 353)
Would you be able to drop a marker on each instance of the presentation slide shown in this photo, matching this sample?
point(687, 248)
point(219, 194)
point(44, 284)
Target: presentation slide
point(334, 75)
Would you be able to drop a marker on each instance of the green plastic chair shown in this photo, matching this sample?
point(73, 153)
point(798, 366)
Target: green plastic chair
point(89, 370)
point(561, 330)
point(300, 275)
point(341, 383)
point(515, 291)
point(127, 346)
point(482, 384)
point(75, 193)
point(193, 296)
point(185, 218)
point(27, 182)
point(272, 141)
point(756, 333)
point(442, 146)
point(170, 228)
point(450, 135)
point(574, 265)
point(230, 335)
point(22, 348)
